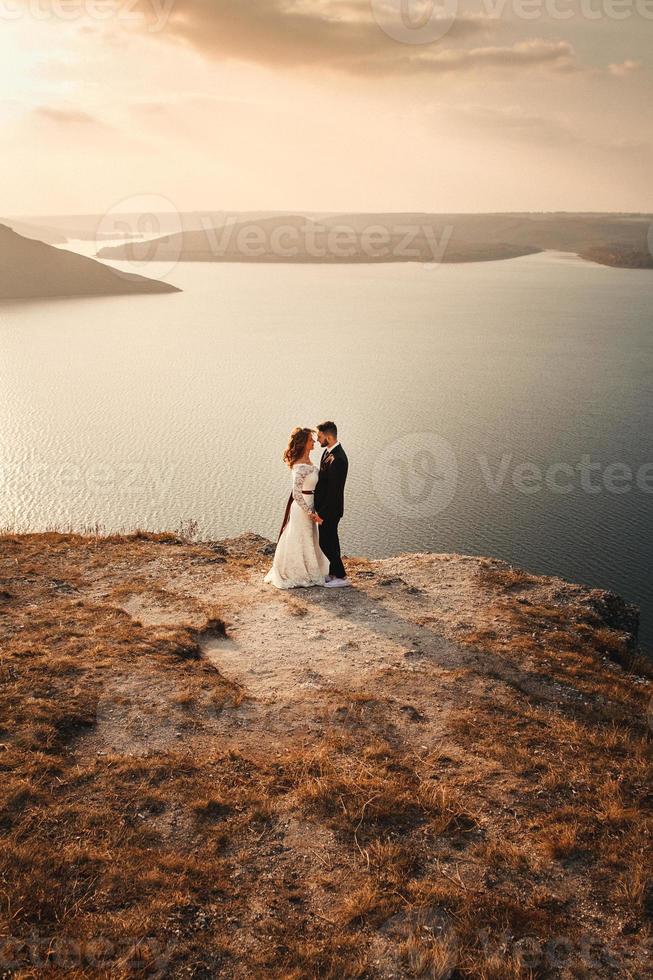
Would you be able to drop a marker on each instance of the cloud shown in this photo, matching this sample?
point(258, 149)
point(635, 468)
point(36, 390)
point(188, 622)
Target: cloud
point(66, 117)
point(624, 68)
point(515, 123)
point(342, 37)
point(526, 54)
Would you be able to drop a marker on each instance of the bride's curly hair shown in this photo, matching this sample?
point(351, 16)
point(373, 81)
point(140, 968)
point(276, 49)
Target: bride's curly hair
point(296, 445)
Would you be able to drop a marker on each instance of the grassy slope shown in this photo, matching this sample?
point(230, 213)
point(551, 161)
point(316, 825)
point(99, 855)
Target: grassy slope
point(518, 846)
point(32, 269)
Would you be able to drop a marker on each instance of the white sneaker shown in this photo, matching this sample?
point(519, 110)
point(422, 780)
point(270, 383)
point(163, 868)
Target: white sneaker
point(337, 583)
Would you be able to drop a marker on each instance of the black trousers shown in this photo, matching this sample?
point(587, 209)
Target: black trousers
point(330, 545)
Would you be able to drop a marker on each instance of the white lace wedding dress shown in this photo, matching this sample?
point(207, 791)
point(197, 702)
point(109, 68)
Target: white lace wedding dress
point(299, 560)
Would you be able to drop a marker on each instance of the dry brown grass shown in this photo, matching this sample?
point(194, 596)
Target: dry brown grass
point(428, 956)
point(561, 840)
point(480, 858)
point(506, 579)
point(505, 854)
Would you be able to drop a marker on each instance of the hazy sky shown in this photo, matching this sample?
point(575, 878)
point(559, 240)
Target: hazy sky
point(326, 105)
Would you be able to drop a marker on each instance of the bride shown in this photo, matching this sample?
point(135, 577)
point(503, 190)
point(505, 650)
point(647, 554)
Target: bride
point(298, 559)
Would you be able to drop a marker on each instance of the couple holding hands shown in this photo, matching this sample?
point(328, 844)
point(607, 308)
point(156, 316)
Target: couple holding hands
point(308, 549)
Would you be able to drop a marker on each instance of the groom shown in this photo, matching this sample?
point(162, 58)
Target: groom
point(329, 500)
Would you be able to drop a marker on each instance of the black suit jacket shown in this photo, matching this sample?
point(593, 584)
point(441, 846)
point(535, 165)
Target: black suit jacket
point(330, 489)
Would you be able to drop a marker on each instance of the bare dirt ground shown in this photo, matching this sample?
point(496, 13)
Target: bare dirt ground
point(443, 771)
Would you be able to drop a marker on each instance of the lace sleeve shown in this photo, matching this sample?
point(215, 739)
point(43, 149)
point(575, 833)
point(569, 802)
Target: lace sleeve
point(297, 485)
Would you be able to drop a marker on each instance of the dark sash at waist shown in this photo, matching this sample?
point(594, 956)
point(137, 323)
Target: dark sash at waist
point(286, 516)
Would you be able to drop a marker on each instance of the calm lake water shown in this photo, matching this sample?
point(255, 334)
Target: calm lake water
point(500, 408)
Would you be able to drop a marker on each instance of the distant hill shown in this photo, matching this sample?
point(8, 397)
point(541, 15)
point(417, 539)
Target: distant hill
point(619, 256)
point(301, 239)
point(564, 232)
point(31, 269)
point(389, 237)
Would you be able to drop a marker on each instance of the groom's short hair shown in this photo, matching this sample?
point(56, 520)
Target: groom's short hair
point(328, 428)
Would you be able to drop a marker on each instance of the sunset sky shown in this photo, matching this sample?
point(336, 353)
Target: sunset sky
point(326, 105)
